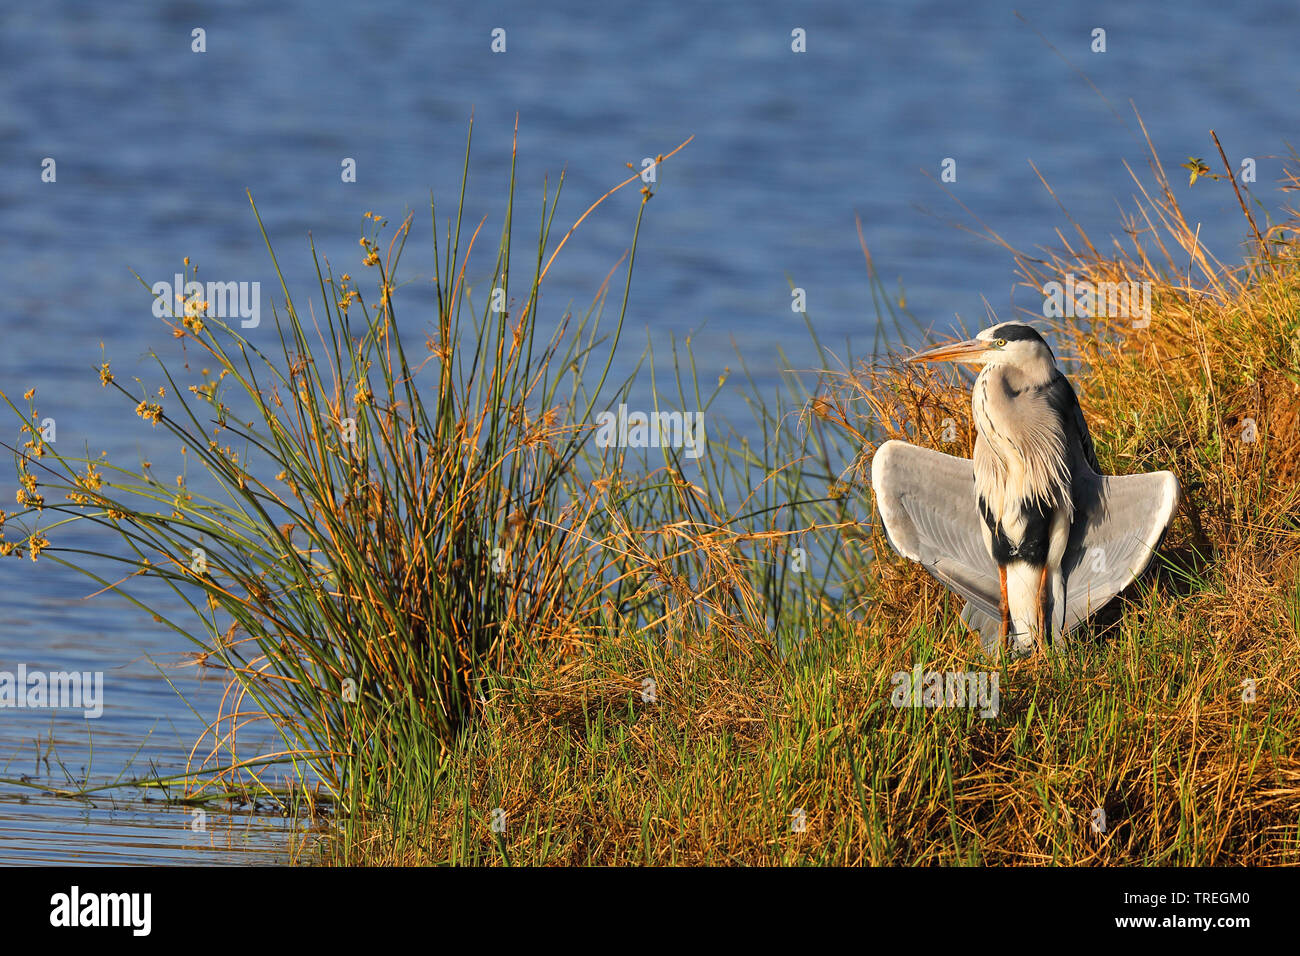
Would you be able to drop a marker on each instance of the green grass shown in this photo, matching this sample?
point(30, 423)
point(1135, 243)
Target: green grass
point(720, 765)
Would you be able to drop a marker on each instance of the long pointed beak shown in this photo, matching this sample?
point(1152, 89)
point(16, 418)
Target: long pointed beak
point(967, 351)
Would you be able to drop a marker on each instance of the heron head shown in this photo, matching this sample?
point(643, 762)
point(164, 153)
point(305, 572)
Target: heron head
point(1008, 343)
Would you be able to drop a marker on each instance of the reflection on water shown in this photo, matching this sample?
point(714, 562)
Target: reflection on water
point(118, 830)
point(142, 736)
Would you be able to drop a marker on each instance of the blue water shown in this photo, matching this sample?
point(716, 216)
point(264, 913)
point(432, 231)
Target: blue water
point(155, 146)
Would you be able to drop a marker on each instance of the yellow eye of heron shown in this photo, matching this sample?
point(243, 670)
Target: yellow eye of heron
point(1000, 343)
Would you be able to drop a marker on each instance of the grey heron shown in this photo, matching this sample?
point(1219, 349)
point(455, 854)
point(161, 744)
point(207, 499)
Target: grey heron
point(1029, 532)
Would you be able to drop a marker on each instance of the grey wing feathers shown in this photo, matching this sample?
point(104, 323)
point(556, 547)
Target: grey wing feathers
point(1066, 404)
point(1116, 540)
point(926, 501)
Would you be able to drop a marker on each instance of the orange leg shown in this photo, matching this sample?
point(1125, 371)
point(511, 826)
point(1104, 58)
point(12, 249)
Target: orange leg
point(1044, 634)
point(1004, 605)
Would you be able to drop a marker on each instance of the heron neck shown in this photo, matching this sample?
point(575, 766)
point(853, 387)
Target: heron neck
point(1034, 373)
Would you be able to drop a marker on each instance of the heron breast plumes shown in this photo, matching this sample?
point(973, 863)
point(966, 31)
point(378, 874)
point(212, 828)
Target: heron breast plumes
point(1021, 458)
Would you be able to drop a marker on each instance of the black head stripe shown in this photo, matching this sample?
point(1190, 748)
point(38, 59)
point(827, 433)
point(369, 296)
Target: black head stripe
point(1015, 332)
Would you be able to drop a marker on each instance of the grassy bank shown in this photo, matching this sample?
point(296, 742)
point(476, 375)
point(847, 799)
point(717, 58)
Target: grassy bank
point(1170, 737)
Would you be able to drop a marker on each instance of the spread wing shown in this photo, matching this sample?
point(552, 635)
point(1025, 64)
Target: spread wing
point(1124, 520)
point(926, 500)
